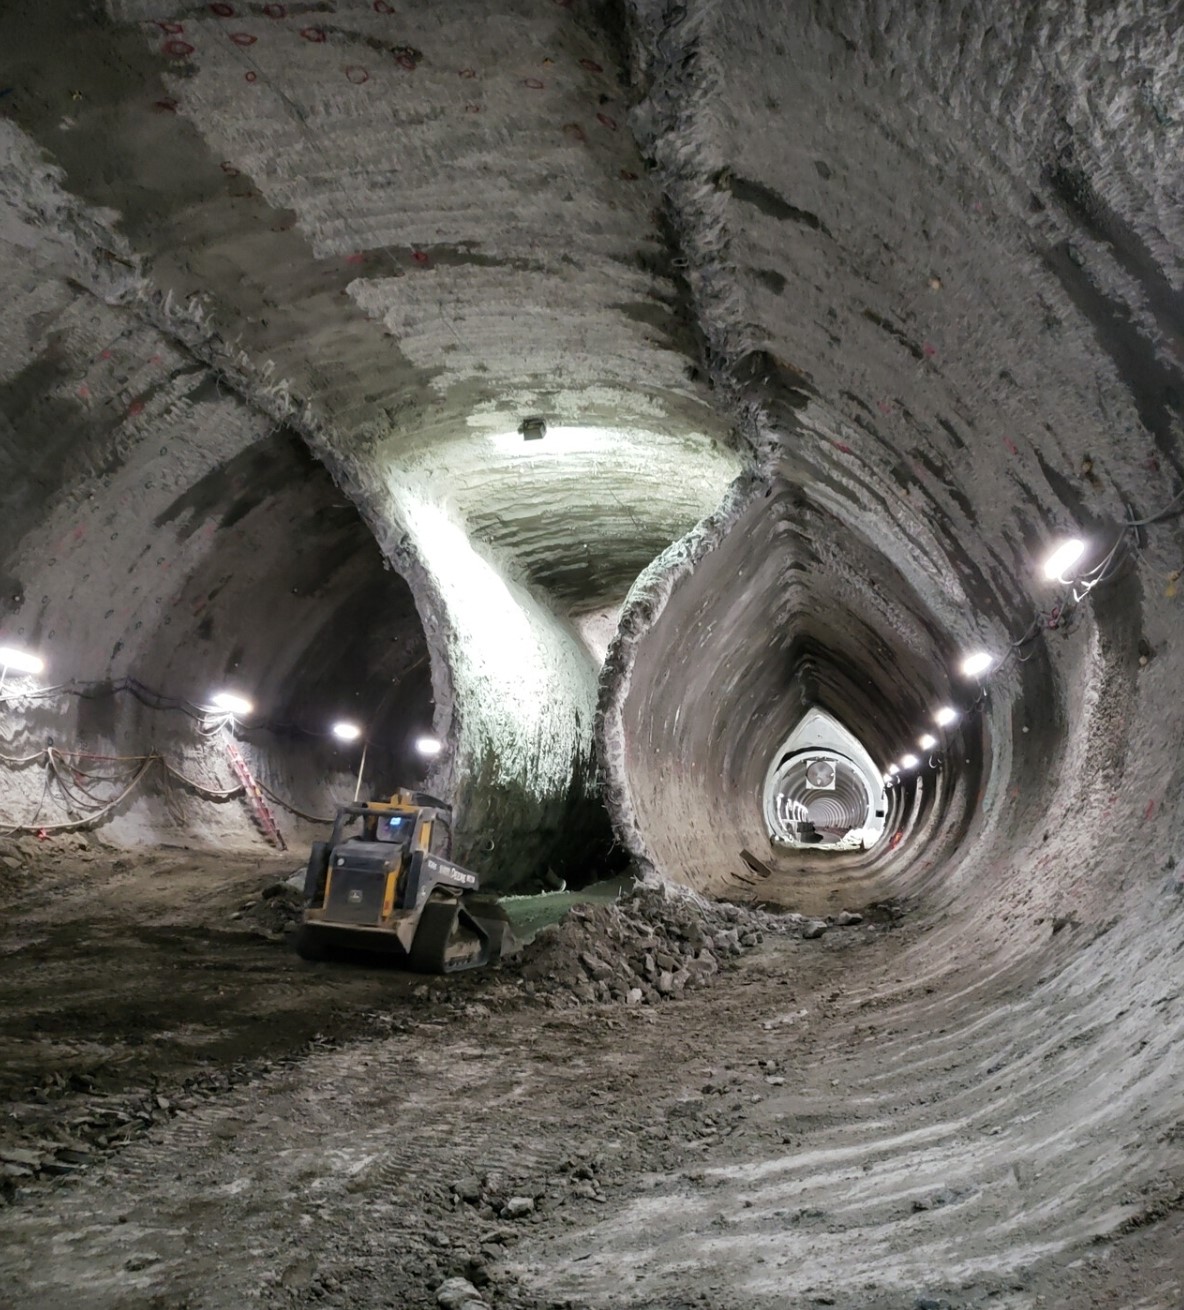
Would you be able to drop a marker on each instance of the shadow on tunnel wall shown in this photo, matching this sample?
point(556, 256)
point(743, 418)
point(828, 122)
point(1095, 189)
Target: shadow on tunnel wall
point(566, 831)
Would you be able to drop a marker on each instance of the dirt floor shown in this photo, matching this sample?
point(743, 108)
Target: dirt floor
point(195, 1119)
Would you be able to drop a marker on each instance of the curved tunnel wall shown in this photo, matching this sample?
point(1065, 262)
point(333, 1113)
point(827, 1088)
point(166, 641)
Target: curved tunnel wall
point(186, 566)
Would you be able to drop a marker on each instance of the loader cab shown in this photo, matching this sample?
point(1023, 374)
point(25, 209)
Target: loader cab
point(392, 829)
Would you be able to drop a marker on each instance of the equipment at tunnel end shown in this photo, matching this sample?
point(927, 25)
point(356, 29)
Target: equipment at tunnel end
point(388, 888)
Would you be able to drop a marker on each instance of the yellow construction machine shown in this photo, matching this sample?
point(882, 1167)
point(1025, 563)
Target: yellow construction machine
point(382, 883)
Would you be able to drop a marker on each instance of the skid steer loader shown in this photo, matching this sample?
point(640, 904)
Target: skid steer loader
point(379, 884)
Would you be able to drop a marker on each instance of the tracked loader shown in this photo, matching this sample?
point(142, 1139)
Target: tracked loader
point(382, 883)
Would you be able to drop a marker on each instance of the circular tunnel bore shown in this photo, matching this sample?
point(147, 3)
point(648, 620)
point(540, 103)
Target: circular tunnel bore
point(823, 789)
point(926, 258)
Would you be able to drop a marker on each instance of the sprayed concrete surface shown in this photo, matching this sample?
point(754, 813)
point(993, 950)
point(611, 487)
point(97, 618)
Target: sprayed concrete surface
point(839, 317)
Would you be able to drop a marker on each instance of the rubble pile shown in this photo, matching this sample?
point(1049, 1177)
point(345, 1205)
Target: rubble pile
point(274, 914)
point(651, 945)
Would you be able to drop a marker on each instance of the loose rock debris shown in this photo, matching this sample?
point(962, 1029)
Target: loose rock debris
point(274, 914)
point(651, 945)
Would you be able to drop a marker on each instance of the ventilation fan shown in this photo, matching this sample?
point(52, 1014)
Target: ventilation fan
point(820, 775)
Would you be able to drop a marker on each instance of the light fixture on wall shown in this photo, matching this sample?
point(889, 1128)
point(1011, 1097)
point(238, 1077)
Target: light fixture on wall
point(1062, 559)
point(976, 663)
point(893, 769)
point(230, 703)
point(343, 730)
point(20, 661)
point(927, 742)
point(429, 745)
point(909, 761)
point(945, 716)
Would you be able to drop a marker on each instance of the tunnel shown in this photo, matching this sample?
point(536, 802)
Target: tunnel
point(730, 460)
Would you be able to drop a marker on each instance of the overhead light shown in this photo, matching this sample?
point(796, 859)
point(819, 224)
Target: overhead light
point(230, 703)
point(977, 663)
point(533, 428)
point(909, 761)
point(893, 769)
point(1063, 558)
point(428, 745)
point(927, 742)
point(346, 731)
point(20, 660)
point(945, 716)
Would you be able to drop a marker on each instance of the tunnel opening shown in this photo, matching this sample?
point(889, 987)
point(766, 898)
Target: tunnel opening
point(259, 577)
point(823, 789)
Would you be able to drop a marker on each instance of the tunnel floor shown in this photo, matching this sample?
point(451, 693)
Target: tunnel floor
point(248, 1129)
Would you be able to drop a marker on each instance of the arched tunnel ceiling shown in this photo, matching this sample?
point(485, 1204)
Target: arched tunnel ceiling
point(937, 295)
point(863, 305)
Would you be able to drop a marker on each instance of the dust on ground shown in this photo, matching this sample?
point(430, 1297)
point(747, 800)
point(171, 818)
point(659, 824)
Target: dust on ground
point(195, 1119)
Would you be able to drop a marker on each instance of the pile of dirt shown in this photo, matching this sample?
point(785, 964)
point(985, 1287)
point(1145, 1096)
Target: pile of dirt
point(274, 914)
point(649, 946)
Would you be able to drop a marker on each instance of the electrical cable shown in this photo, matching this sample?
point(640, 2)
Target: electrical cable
point(72, 782)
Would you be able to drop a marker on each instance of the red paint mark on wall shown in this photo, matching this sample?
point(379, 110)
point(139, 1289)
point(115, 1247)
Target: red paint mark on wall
point(136, 407)
point(533, 83)
point(316, 35)
point(628, 175)
point(468, 73)
point(842, 446)
point(928, 349)
point(356, 74)
point(84, 391)
point(381, 7)
point(228, 168)
point(170, 29)
point(407, 62)
point(243, 38)
point(222, 11)
point(275, 11)
point(1149, 812)
point(177, 49)
point(166, 106)
point(884, 406)
point(154, 359)
point(355, 258)
point(252, 76)
point(421, 257)
point(472, 108)
point(1012, 448)
point(104, 354)
point(608, 121)
point(591, 65)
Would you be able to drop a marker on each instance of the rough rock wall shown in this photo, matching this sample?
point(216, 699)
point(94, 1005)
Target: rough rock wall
point(938, 256)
